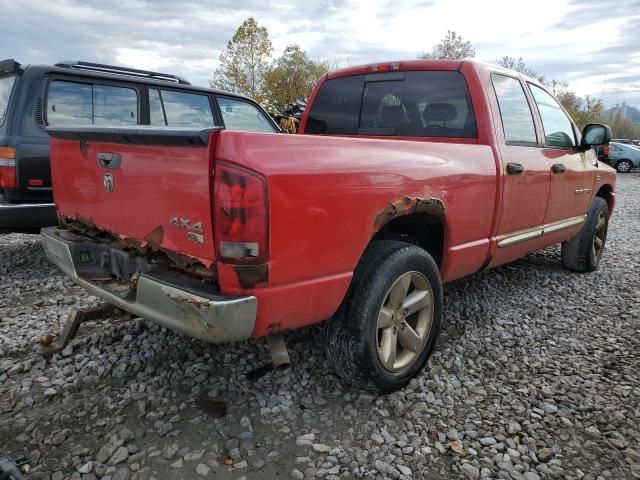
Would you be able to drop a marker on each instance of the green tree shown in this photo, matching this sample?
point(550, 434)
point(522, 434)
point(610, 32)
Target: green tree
point(245, 61)
point(621, 126)
point(518, 65)
point(292, 77)
point(570, 100)
point(583, 110)
point(451, 47)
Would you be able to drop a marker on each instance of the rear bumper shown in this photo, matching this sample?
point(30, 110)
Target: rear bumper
point(163, 296)
point(16, 216)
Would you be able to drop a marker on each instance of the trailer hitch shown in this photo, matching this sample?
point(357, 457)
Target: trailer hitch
point(50, 345)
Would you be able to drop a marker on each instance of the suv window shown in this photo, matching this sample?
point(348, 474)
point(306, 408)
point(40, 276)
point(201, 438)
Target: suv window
point(114, 105)
point(517, 120)
point(71, 103)
point(179, 109)
point(6, 85)
point(243, 116)
point(558, 129)
point(417, 104)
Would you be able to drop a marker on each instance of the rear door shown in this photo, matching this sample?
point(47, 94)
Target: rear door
point(6, 87)
point(572, 172)
point(7, 157)
point(525, 174)
point(77, 101)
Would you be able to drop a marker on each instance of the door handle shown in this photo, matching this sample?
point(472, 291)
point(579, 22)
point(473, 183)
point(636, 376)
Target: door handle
point(558, 168)
point(514, 168)
point(109, 160)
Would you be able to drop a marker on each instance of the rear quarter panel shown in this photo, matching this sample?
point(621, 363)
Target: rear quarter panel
point(325, 196)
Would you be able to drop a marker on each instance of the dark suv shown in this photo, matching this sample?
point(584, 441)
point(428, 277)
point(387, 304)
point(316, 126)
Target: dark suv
point(83, 93)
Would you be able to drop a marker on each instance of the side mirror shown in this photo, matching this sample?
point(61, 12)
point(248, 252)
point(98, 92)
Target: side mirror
point(595, 134)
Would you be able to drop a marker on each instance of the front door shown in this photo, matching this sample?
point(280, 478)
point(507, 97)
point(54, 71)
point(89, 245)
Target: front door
point(573, 173)
point(525, 175)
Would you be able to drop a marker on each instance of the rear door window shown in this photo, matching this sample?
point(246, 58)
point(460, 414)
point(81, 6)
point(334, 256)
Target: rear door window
point(6, 86)
point(243, 116)
point(72, 103)
point(179, 109)
point(517, 120)
point(416, 104)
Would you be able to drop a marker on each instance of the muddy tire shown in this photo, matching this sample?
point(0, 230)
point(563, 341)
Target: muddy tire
point(583, 252)
point(387, 326)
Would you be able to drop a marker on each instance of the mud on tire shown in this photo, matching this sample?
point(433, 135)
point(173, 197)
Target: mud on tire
point(583, 252)
point(357, 333)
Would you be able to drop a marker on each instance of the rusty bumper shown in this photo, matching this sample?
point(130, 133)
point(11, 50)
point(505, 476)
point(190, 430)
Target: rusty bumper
point(167, 298)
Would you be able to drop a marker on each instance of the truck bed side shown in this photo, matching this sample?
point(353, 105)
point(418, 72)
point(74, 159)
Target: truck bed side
point(329, 196)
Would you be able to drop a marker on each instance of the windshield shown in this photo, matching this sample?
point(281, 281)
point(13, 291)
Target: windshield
point(6, 85)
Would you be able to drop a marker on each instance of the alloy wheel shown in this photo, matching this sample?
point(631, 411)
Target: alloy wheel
point(623, 166)
point(599, 237)
point(404, 321)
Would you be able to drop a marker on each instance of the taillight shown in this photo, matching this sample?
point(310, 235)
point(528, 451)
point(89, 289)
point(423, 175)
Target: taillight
point(605, 150)
point(8, 167)
point(240, 218)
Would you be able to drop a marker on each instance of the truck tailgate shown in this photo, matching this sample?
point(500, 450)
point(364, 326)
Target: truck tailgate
point(147, 185)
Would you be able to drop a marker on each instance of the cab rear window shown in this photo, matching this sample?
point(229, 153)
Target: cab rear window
point(6, 86)
point(414, 104)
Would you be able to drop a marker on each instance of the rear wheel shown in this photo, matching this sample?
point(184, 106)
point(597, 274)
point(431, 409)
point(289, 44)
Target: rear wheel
point(388, 324)
point(623, 166)
point(583, 252)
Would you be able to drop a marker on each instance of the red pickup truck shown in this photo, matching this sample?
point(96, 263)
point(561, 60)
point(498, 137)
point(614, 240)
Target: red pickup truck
point(405, 176)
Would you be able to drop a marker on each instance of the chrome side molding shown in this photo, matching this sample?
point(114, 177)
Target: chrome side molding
point(536, 232)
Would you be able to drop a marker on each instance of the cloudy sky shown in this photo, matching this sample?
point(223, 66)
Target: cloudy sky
point(592, 44)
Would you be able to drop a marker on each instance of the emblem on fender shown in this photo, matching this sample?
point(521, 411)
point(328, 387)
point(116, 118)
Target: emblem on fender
point(186, 223)
point(108, 182)
point(194, 232)
point(195, 237)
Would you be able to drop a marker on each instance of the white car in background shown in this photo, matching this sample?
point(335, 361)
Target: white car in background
point(624, 156)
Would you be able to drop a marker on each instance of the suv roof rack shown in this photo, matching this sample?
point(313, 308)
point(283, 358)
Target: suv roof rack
point(134, 72)
point(9, 65)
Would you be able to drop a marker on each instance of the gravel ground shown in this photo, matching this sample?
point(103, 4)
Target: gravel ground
point(535, 376)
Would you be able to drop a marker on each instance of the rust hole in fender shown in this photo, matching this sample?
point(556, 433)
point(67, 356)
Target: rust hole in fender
point(408, 205)
point(155, 236)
